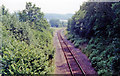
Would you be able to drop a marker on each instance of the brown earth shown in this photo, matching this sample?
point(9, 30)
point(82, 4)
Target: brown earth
point(61, 63)
point(61, 66)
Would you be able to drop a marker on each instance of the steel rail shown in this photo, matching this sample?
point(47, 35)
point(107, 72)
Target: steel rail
point(60, 38)
point(65, 54)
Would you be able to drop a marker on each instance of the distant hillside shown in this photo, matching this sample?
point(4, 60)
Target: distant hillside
point(50, 16)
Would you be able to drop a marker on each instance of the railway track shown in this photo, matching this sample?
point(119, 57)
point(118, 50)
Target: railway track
point(74, 66)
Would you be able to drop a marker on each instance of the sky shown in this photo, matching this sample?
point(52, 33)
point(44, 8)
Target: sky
point(47, 6)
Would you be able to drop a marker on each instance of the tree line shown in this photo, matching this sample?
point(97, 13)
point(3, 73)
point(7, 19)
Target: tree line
point(27, 46)
point(97, 24)
point(57, 23)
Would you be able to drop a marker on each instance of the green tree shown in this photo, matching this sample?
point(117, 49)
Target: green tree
point(27, 46)
point(55, 22)
point(98, 24)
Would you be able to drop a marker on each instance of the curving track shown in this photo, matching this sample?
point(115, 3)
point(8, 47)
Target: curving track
point(73, 64)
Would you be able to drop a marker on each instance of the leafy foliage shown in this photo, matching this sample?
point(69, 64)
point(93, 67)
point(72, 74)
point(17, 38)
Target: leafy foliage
point(98, 23)
point(54, 22)
point(27, 42)
point(57, 23)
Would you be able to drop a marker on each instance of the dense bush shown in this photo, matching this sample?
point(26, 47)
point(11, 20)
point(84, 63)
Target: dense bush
point(26, 42)
point(98, 23)
point(57, 23)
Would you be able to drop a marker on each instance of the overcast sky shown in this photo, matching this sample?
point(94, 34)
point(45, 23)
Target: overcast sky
point(47, 6)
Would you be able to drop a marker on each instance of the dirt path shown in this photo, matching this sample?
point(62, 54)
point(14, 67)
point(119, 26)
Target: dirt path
point(61, 63)
point(61, 66)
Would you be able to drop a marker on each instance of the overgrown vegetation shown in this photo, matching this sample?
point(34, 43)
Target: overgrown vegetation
point(58, 23)
point(98, 25)
point(27, 46)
